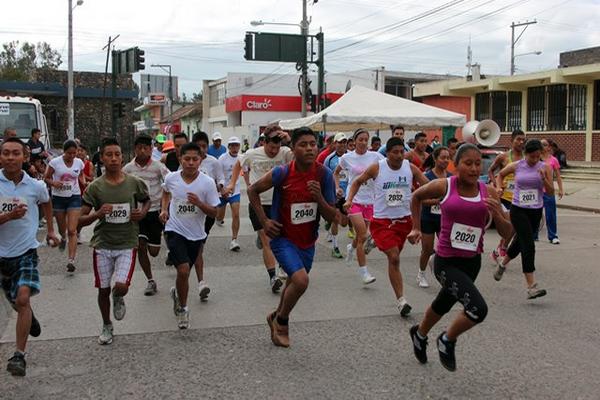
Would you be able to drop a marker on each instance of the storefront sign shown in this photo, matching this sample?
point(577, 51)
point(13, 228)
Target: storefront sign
point(263, 103)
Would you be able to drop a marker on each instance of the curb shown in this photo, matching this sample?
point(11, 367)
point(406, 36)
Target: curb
point(579, 208)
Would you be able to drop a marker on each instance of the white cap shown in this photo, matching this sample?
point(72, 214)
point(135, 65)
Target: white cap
point(217, 136)
point(339, 137)
point(234, 140)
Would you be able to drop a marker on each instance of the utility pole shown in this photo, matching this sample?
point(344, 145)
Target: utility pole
point(514, 41)
point(70, 105)
point(103, 109)
point(304, 32)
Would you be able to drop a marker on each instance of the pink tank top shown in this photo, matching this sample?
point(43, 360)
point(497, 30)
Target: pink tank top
point(462, 223)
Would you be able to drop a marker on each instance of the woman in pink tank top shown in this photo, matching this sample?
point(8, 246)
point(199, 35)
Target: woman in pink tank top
point(465, 204)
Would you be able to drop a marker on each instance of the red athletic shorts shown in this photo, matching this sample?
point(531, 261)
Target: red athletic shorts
point(389, 233)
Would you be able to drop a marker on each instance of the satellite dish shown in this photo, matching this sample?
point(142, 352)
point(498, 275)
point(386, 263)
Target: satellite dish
point(348, 85)
point(485, 133)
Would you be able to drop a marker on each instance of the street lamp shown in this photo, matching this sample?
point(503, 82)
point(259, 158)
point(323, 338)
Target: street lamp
point(261, 22)
point(513, 68)
point(70, 106)
point(163, 67)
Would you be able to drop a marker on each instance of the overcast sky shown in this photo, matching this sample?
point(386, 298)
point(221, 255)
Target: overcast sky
point(203, 39)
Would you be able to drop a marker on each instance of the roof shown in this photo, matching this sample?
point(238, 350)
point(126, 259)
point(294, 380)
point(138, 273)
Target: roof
point(184, 112)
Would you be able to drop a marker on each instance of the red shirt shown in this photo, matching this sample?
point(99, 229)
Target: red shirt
point(323, 155)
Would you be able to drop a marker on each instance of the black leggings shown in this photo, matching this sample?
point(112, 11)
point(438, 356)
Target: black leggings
point(526, 222)
point(457, 276)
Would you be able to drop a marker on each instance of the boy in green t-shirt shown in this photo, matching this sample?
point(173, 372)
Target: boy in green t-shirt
point(117, 201)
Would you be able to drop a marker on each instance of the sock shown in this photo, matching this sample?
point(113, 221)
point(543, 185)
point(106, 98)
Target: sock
point(150, 279)
point(445, 338)
point(282, 321)
point(363, 270)
point(401, 301)
point(72, 260)
point(271, 272)
point(19, 352)
point(420, 336)
point(334, 241)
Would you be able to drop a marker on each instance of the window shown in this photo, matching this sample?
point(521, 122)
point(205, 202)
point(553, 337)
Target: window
point(482, 106)
point(502, 107)
point(217, 95)
point(499, 108)
point(597, 104)
point(557, 107)
point(536, 108)
point(514, 111)
point(577, 102)
point(20, 116)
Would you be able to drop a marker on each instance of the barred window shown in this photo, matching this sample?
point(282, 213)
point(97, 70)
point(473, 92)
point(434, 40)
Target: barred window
point(557, 107)
point(482, 106)
point(597, 104)
point(577, 104)
point(499, 109)
point(536, 108)
point(514, 111)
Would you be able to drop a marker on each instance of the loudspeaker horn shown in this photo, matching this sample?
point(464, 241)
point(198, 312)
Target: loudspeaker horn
point(485, 133)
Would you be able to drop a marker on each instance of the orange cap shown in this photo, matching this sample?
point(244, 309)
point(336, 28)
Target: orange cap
point(168, 146)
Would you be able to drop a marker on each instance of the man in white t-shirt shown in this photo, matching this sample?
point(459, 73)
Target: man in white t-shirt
point(227, 162)
point(258, 162)
point(188, 197)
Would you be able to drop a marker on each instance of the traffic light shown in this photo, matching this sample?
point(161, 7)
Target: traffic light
point(118, 110)
point(139, 59)
point(248, 42)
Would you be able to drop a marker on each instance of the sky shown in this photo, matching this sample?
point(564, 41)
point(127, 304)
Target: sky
point(202, 39)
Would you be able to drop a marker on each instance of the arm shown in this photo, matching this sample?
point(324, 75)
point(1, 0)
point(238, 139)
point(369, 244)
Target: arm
point(88, 216)
point(433, 190)
point(327, 210)
point(561, 192)
point(235, 174)
point(370, 173)
point(206, 208)
point(140, 212)
point(501, 220)
point(164, 206)
point(496, 165)
point(48, 177)
point(509, 169)
point(546, 174)
point(418, 175)
point(271, 227)
point(336, 180)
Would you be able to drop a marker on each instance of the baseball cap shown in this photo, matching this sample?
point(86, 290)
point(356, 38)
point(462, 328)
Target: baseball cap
point(217, 136)
point(168, 146)
point(234, 140)
point(160, 138)
point(339, 137)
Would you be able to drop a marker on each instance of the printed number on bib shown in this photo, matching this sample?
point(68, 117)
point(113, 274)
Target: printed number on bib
point(7, 204)
point(394, 197)
point(185, 209)
point(465, 237)
point(65, 189)
point(120, 214)
point(528, 197)
point(435, 209)
point(510, 186)
point(303, 213)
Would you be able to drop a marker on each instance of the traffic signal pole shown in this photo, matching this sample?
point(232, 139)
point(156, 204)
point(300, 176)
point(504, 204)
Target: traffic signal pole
point(304, 32)
point(113, 96)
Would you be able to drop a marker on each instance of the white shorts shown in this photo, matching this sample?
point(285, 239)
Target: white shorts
point(109, 263)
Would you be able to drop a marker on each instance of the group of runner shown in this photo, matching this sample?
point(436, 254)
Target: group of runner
point(386, 199)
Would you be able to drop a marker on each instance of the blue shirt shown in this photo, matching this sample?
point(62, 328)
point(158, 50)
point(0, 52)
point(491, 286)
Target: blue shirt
point(216, 153)
point(19, 235)
point(332, 162)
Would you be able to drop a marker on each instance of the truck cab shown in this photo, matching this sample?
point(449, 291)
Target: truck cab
point(23, 114)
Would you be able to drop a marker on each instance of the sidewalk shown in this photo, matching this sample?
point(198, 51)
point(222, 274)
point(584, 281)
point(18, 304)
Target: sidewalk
point(582, 196)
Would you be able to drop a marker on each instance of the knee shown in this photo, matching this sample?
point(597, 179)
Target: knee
point(153, 251)
point(477, 311)
point(183, 272)
point(441, 307)
point(72, 232)
point(394, 261)
point(22, 302)
point(121, 289)
point(301, 281)
point(361, 237)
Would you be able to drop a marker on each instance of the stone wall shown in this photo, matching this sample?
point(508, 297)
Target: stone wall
point(580, 57)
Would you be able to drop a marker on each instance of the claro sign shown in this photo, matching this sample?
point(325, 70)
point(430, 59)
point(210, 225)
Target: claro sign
point(262, 103)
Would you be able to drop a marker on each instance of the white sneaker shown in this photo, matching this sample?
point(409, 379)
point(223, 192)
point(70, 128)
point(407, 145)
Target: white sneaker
point(183, 318)
point(349, 254)
point(281, 273)
point(106, 336)
point(118, 307)
point(175, 299)
point(368, 278)
point(555, 241)
point(203, 290)
point(276, 284)
point(234, 245)
point(329, 237)
point(421, 280)
point(220, 223)
point(403, 307)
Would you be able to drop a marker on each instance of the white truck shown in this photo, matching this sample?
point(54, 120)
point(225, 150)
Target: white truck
point(23, 114)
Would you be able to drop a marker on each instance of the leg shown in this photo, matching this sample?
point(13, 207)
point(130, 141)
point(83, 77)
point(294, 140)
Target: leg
point(426, 250)
point(144, 259)
point(104, 304)
point(295, 287)
point(23, 308)
point(61, 221)
point(268, 256)
point(393, 257)
point(221, 212)
point(235, 220)
point(360, 230)
point(72, 220)
point(550, 210)
point(182, 284)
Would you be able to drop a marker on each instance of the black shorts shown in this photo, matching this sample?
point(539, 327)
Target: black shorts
point(256, 225)
point(182, 250)
point(506, 203)
point(430, 226)
point(340, 205)
point(151, 229)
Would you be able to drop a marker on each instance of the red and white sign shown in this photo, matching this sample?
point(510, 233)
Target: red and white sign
point(262, 103)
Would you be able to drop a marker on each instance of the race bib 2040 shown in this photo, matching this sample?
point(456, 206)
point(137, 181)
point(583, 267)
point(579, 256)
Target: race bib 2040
point(185, 209)
point(529, 197)
point(120, 214)
point(302, 213)
point(7, 204)
point(465, 237)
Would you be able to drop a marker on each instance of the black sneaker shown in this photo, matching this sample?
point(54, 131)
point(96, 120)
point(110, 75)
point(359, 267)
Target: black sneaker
point(62, 245)
point(16, 364)
point(36, 329)
point(419, 345)
point(446, 350)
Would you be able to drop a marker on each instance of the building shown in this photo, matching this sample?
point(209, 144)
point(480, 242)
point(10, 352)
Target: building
point(187, 119)
point(562, 104)
point(242, 104)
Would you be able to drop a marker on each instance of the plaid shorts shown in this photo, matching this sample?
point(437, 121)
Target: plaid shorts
point(19, 271)
point(113, 263)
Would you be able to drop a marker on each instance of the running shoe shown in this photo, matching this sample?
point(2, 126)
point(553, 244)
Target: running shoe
point(203, 290)
point(369, 244)
point(422, 280)
point(258, 242)
point(419, 345)
point(533, 292)
point(335, 253)
point(62, 245)
point(281, 273)
point(555, 241)
point(234, 245)
point(16, 364)
point(118, 307)
point(351, 234)
point(329, 237)
point(71, 267)
point(151, 288)
point(446, 351)
point(175, 299)
point(183, 318)
point(327, 225)
point(35, 330)
point(499, 272)
point(495, 255)
point(106, 335)
point(276, 284)
point(220, 223)
point(367, 278)
point(403, 307)
point(349, 254)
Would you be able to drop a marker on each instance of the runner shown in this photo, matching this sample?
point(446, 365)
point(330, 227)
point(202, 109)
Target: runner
point(465, 206)
point(304, 190)
point(391, 222)
point(116, 202)
point(188, 196)
point(152, 173)
point(430, 214)
point(419, 154)
point(332, 162)
point(397, 131)
point(258, 162)
point(20, 196)
point(215, 149)
point(360, 205)
point(64, 174)
point(531, 176)
point(550, 200)
point(87, 174)
point(227, 162)
point(171, 158)
point(517, 143)
point(452, 147)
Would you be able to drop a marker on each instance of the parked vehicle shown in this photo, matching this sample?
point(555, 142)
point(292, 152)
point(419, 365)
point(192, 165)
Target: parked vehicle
point(23, 114)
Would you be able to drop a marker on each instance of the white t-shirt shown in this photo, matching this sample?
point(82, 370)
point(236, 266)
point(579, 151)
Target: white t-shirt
point(257, 161)
point(356, 164)
point(227, 162)
point(68, 176)
point(153, 175)
point(185, 218)
point(211, 167)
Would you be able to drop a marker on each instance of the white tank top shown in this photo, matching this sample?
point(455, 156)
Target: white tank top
point(392, 191)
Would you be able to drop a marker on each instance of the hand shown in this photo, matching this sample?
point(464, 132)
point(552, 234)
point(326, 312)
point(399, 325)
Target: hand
point(314, 188)
point(285, 137)
point(137, 214)
point(272, 228)
point(225, 193)
point(52, 239)
point(104, 210)
point(493, 205)
point(193, 198)
point(499, 190)
point(164, 216)
point(227, 189)
point(561, 193)
point(347, 205)
point(414, 236)
point(339, 193)
point(56, 184)
point(18, 212)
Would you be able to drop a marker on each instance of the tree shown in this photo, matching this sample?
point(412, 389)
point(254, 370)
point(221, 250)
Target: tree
point(196, 97)
point(19, 64)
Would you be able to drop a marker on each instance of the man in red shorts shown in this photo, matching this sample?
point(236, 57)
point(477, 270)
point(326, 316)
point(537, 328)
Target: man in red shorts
point(391, 221)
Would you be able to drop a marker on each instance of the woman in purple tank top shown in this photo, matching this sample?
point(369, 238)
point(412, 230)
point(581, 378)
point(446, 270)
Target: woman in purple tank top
point(532, 176)
point(465, 204)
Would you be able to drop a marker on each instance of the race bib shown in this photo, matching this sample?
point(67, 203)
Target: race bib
point(343, 176)
point(7, 204)
point(66, 190)
point(465, 237)
point(510, 186)
point(436, 209)
point(120, 214)
point(395, 197)
point(185, 209)
point(303, 213)
point(529, 197)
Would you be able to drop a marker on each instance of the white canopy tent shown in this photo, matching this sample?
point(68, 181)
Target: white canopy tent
point(370, 109)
